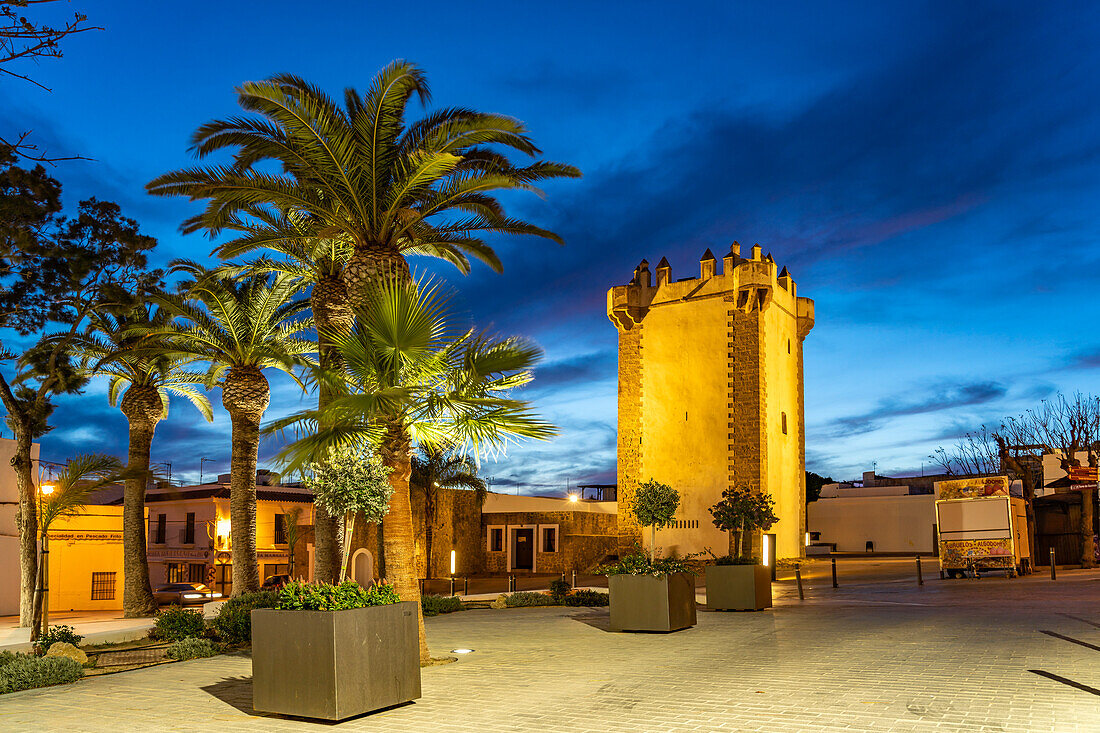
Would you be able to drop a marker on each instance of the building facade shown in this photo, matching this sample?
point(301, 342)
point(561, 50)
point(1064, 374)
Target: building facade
point(711, 394)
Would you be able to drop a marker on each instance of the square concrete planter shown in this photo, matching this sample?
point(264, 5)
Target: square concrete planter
point(648, 603)
point(738, 587)
point(334, 664)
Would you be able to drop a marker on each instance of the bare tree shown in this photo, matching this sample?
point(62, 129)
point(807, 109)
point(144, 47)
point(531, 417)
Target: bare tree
point(975, 454)
point(23, 39)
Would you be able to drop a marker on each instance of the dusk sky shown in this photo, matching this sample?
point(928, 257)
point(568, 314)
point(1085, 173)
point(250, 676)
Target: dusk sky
point(929, 173)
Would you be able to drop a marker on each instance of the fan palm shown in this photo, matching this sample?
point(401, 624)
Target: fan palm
point(294, 248)
point(411, 379)
point(83, 476)
point(363, 174)
point(241, 327)
point(434, 469)
point(144, 377)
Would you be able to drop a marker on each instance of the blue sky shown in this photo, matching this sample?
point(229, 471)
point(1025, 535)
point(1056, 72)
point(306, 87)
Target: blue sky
point(928, 172)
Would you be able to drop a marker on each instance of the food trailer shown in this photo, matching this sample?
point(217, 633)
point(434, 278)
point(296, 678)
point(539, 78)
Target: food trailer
point(981, 527)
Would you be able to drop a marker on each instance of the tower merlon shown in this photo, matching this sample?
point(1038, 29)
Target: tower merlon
point(707, 265)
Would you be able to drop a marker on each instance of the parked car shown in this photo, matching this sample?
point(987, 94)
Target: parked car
point(275, 582)
point(184, 594)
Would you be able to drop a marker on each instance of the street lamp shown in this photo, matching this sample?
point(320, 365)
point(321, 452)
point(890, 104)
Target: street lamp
point(44, 490)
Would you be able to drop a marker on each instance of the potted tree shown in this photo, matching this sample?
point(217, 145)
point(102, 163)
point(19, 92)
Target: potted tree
point(353, 649)
point(738, 582)
point(650, 593)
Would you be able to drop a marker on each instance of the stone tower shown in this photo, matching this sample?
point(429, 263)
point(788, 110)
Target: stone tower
point(710, 394)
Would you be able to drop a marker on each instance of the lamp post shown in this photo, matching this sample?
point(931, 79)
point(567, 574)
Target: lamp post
point(44, 490)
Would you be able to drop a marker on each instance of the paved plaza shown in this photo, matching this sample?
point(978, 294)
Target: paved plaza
point(879, 654)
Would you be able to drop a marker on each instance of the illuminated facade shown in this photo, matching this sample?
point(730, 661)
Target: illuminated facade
point(711, 394)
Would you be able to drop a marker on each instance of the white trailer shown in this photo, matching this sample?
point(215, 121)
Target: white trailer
point(980, 527)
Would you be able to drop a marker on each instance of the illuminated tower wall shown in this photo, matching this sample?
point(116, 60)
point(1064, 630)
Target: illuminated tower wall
point(711, 394)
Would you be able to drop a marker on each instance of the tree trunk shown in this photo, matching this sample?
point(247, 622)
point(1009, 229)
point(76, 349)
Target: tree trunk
point(245, 394)
point(399, 539)
point(332, 314)
point(370, 264)
point(27, 521)
point(143, 408)
point(1088, 545)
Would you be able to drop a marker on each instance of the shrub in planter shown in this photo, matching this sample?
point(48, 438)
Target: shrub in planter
point(26, 671)
point(738, 582)
point(233, 623)
point(435, 605)
point(352, 650)
point(651, 593)
point(524, 599)
point(559, 589)
point(191, 648)
point(175, 623)
point(587, 598)
point(53, 635)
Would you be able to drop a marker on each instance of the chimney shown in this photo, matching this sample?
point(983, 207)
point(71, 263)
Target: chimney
point(755, 252)
point(664, 272)
point(730, 261)
point(707, 265)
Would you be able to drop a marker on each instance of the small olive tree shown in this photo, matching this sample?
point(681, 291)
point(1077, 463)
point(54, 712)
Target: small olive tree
point(742, 510)
point(654, 506)
point(347, 483)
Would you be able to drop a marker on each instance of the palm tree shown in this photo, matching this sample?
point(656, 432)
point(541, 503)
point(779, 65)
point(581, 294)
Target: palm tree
point(82, 477)
point(412, 379)
point(315, 262)
point(432, 470)
point(144, 377)
point(361, 173)
point(241, 327)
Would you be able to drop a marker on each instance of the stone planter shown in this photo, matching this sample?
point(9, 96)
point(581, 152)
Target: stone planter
point(738, 587)
point(648, 603)
point(334, 664)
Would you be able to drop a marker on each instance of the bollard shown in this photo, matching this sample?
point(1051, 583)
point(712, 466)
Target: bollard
point(1053, 570)
point(834, 573)
point(920, 573)
point(466, 586)
point(798, 577)
point(452, 585)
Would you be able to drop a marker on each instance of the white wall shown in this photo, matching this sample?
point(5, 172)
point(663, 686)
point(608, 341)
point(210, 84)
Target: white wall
point(893, 523)
point(9, 533)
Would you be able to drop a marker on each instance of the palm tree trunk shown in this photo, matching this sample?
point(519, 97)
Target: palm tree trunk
point(137, 593)
point(245, 394)
point(370, 264)
point(399, 538)
point(332, 314)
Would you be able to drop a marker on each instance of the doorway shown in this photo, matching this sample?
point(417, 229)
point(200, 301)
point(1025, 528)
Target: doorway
point(523, 551)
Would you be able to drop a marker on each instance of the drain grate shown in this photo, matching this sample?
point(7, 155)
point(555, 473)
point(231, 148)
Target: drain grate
point(130, 656)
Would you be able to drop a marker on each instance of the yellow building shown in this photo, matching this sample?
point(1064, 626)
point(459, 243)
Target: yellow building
point(711, 394)
point(86, 561)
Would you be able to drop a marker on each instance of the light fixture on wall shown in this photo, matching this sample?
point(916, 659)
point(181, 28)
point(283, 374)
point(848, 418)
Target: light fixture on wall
point(807, 539)
point(222, 529)
point(574, 498)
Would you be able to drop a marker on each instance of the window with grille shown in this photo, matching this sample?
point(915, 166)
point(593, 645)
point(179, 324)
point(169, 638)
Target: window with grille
point(176, 573)
point(103, 586)
point(685, 524)
point(162, 528)
point(189, 529)
point(196, 573)
point(280, 529)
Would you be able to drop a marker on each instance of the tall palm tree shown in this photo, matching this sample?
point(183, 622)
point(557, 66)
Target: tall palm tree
point(83, 476)
point(362, 173)
point(295, 248)
point(434, 469)
point(414, 380)
point(241, 327)
point(144, 376)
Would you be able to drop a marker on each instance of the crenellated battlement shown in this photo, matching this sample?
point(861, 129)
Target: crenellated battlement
point(752, 282)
